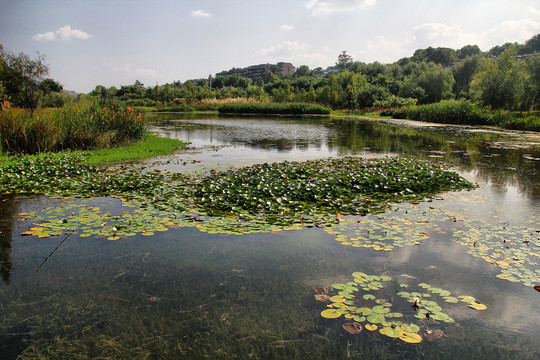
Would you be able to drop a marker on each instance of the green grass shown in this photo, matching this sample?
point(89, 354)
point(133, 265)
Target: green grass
point(152, 146)
point(358, 113)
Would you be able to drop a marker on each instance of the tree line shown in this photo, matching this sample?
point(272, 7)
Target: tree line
point(505, 77)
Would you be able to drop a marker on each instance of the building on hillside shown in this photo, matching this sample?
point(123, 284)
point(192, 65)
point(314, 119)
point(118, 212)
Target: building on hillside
point(257, 71)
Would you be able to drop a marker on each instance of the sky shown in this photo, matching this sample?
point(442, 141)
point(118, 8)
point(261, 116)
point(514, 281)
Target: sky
point(115, 42)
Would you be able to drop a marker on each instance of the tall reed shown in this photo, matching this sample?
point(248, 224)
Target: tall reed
point(75, 127)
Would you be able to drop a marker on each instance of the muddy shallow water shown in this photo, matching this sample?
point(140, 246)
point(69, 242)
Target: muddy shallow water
point(187, 293)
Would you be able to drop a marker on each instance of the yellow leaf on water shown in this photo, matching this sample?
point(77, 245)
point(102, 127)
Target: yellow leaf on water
point(371, 327)
point(411, 337)
point(477, 306)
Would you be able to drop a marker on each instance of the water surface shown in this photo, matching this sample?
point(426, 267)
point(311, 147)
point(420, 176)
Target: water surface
point(189, 294)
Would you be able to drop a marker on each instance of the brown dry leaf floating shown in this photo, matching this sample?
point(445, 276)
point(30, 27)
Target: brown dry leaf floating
point(353, 328)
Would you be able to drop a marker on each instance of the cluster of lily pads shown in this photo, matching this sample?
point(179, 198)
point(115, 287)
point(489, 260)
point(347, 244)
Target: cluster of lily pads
point(381, 233)
point(514, 250)
point(337, 185)
point(357, 303)
point(254, 198)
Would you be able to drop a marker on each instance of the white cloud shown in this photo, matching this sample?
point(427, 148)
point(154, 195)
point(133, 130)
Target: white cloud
point(453, 35)
point(442, 34)
point(286, 27)
point(128, 68)
point(295, 52)
point(325, 7)
point(64, 33)
point(200, 14)
point(383, 50)
point(284, 49)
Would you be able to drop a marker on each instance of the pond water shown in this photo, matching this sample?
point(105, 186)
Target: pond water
point(190, 293)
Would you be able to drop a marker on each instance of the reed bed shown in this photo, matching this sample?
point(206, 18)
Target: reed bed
point(70, 128)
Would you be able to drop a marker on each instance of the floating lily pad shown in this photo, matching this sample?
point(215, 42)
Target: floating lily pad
point(375, 318)
point(391, 332)
point(371, 327)
point(330, 314)
point(477, 306)
point(410, 337)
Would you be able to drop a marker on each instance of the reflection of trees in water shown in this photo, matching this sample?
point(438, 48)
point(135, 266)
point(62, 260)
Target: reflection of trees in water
point(500, 165)
point(478, 152)
point(8, 209)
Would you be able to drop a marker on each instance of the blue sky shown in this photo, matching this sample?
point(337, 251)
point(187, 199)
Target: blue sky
point(115, 42)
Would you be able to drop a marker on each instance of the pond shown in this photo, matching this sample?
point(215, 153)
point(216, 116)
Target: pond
point(196, 292)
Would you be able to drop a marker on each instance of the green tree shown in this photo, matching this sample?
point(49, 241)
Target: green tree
point(468, 51)
point(24, 79)
point(531, 46)
point(533, 68)
point(463, 74)
point(302, 70)
point(3, 96)
point(428, 83)
point(500, 84)
point(344, 61)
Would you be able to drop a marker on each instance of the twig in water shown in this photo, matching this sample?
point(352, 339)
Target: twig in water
point(56, 248)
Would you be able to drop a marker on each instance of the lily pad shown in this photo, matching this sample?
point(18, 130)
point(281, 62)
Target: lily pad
point(330, 314)
point(410, 337)
point(371, 327)
point(477, 306)
point(375, 318)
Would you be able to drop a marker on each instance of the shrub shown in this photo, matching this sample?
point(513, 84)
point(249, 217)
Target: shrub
point(461, 112)
point(395, 102)
point(274, 108)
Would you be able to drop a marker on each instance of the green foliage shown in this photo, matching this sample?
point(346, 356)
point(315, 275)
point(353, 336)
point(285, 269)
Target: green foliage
point(500, 84)
point(273, 108)
point(71, 127)
point(441, 56)
point(395, 101)
point(428, 83)
point(23, 79)
point(274, 193)
point(464, 112)
point(346, 185)
point(516, 121)
point(463, 75)
point(446, 112)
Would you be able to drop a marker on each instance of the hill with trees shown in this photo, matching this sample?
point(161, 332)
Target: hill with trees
point(505, 77)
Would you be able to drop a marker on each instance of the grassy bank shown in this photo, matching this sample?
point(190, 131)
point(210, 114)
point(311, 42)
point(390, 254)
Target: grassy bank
point(275, 109)
point(462, 112)
point(150, 146)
